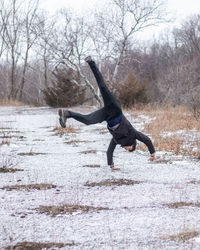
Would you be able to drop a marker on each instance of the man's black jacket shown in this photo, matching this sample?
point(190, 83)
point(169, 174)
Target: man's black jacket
point(126, 135)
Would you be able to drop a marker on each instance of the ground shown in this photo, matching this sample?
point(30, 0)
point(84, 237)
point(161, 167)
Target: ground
point(66, 197)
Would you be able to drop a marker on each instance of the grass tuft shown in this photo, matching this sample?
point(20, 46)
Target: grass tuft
point(182, 204)
point(59, 131)
point(38, 245)
point(181, 237)
point(196, 182)
point(63, 209)
point(91, 166)
point(119, 182)
point(31, 154)
point(90, 151)
point(10, 170)
point(42, 186)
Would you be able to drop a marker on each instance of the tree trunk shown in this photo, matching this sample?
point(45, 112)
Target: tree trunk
point(23, 75)
point(12, 89)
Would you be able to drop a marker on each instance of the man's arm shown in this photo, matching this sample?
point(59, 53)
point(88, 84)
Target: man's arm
point(110, 151)
point(146, 140)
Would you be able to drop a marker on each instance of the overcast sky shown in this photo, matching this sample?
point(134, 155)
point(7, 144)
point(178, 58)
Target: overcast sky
point(180, 9)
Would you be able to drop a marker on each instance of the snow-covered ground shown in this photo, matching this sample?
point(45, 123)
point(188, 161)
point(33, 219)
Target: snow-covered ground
point(138, 215)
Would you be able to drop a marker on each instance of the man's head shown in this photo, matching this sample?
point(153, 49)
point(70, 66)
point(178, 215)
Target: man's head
point(130, 148)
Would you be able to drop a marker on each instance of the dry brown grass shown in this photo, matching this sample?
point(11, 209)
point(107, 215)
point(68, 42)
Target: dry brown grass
point(68, 208)
point(182, 204)
point(31, 153)
point(42, 186)
point(4, 142)
point(6, 134)
point(7, 102)
point(89, 151)
point(170, 119)
point(195, 182)
point(10, 170)
point(119, 182)
point(7, 137)
point(62, 131)
point(38, 245)
point(12, 136)
point(92, 166)
point(181, 237)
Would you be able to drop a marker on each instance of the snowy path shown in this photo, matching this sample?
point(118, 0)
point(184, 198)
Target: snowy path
point(138, 215)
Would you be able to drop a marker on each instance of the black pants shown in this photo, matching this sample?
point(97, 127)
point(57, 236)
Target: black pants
point(111, 108)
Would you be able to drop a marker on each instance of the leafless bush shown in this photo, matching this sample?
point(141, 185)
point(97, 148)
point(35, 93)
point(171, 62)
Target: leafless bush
point(195, 104)
point(132, 91)
point(8, 161)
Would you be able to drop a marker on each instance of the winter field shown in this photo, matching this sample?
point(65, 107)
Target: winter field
point(56, 191)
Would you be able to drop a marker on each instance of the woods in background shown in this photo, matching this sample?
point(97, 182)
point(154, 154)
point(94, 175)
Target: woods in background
point(34, 47)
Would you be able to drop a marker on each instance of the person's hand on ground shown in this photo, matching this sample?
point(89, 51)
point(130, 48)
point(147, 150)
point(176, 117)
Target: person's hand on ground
point(152, 157)
point(112, 167)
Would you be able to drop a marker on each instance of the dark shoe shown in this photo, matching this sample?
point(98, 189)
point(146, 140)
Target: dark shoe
point(88, 59)
point(63, 115)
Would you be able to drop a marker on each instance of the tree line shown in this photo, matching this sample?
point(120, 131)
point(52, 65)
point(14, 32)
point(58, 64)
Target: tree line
point(36, 47)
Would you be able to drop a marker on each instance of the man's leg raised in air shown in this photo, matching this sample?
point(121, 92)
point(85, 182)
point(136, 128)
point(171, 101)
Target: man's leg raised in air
point(112, 108)
point(110, 111)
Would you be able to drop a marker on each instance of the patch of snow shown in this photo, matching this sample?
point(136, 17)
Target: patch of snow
point(137, 217)
point(197, 239)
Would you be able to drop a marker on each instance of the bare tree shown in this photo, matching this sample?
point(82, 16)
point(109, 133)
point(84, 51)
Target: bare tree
point(189, 36)
point(47, 32)
point(20, 31)
point(179, 76)
point(70, 45)
point(109, 36)
point(66, 41)
point(125, 18)
point(30, 31)
point(13, 27)
point(4, 15)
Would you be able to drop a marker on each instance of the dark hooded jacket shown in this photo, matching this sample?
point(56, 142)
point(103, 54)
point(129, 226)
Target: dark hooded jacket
point(126, 135)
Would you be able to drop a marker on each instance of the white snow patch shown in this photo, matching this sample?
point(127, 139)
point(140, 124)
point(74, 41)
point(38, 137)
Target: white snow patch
point(138, 217)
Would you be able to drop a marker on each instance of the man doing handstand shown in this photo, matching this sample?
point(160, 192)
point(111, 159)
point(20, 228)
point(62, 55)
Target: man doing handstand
point(123, 133)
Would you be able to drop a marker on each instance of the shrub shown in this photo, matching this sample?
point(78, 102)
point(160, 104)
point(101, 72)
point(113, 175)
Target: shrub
point(65, 91)
point(132, 91)
point(195, 104)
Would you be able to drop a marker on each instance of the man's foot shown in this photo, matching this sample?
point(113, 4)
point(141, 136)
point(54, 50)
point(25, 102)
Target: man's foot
point(63, 115)
point(88, 59)
point(114, 168)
